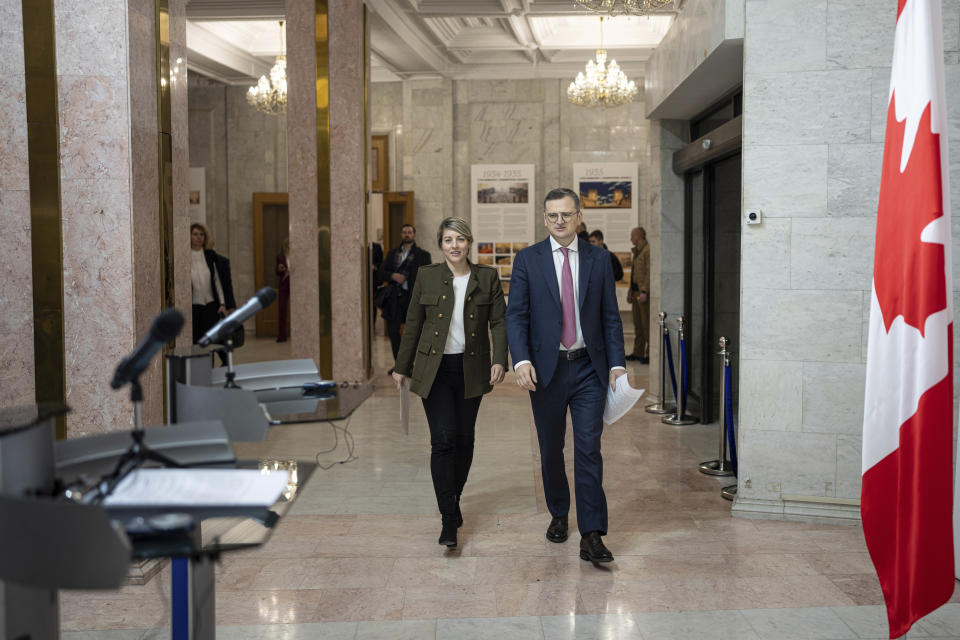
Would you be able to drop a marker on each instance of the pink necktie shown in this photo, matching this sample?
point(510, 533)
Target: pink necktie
point(569, 334)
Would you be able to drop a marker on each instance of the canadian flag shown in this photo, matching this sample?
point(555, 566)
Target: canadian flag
point(906, 499)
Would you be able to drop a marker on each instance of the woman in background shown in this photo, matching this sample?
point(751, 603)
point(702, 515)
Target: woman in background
point(445, 351)
point(210, 281)
point(283, 287)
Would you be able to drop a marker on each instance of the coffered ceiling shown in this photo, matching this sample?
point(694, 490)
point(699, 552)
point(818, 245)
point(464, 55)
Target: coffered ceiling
point(236, 41)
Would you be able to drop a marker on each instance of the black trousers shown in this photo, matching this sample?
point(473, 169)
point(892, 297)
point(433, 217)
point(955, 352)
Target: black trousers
point(204, 317)
point(394, 333)
point(452, 419)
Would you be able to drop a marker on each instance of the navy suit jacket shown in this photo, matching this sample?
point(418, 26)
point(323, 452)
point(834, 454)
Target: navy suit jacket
point(534, 317)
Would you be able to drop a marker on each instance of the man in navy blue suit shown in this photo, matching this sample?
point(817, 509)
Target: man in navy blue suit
point(566, 339)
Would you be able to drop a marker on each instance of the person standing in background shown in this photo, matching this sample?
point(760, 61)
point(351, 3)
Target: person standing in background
point(210, 281)
point(596, 239)
point(283, 288)
point(399, 271)
point(582, 232)
point(639, 295)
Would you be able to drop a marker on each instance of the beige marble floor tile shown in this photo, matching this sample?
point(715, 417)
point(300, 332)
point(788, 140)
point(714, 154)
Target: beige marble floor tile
point(450, 601)
point(359, 604)
point(840, 563)
point(364, 572)
point(627, 596)
point(538, 599)
point(861, 588)
point(267, 607)
point(450, 570)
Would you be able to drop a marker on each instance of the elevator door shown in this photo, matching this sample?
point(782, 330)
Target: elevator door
point(712, 279)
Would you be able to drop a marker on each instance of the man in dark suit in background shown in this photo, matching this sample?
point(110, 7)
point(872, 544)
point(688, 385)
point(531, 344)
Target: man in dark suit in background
point(566, 339)
point(399, 271)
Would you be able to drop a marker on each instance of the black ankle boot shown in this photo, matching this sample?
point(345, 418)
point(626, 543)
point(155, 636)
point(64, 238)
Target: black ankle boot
point(448, 533)
point(459, 514)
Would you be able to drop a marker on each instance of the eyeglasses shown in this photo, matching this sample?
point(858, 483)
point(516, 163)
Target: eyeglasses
point(567, 216)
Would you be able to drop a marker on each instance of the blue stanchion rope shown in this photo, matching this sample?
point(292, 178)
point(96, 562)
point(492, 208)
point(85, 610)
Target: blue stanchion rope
point(731, 440)
point(673, 376)
point(684, 369)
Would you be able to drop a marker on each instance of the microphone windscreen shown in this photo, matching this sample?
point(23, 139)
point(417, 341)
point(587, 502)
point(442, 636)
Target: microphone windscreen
point(167, 325)
point(266, 296)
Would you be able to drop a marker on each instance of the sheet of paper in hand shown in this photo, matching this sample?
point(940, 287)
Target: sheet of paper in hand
point(620, 401)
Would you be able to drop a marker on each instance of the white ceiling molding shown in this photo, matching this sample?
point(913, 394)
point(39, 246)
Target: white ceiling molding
point(236, 40)
point(203, 43)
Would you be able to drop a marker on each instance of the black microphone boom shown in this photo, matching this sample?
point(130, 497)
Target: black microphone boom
point(165, 328)
point(223, 329)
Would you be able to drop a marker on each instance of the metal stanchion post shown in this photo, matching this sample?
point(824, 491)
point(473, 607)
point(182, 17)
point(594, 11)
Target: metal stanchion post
point(721, 466)
point(663, 406)
point(681, 417)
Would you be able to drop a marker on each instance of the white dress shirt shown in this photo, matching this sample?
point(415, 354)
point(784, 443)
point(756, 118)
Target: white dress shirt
point(573, 255)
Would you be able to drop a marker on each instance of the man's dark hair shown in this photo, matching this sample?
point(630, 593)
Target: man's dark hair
point(596, 233)
point(402, 227)
point(559, 194)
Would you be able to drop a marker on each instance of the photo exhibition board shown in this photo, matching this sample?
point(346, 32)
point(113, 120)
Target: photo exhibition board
point(502, 211)
point(610, 204)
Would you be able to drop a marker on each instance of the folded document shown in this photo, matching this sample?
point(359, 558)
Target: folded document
point(198, 487)
point(620, 400)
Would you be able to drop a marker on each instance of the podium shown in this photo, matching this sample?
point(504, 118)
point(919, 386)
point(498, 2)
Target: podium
point(36, 558)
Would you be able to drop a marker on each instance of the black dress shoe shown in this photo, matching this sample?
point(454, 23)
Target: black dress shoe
point(632, 357)
point(557, 531)
point(448, 533)
point(644, 360)
point(593, 549)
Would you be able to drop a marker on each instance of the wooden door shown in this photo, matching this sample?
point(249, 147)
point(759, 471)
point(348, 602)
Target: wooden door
point(271, 228)
point(379, 163)
point(397, 211)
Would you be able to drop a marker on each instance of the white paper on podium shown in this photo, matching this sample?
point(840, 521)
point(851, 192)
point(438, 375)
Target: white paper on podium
point(620, 401)
point(198, 487)
point(405, 406)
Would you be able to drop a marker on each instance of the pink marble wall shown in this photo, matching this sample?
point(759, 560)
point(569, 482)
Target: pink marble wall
point(348, 143)
point(108, 150)
point(302, 180)
point(145, 199)
point(16, 277)
point(181, 164)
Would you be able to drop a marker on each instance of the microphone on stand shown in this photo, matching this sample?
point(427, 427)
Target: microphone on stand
point(165, 328)
point(220, 331)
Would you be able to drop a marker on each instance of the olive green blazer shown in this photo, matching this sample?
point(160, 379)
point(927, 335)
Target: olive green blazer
point(428, 319)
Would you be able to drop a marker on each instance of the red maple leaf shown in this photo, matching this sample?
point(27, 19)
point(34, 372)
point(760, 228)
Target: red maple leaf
point(909, 275)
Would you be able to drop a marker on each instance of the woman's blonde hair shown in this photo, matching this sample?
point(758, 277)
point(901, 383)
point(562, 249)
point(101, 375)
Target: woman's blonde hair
point(457, 225)
point(207, 239)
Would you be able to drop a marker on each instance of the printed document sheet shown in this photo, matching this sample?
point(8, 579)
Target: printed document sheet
point(198, 487)
point(620, 401)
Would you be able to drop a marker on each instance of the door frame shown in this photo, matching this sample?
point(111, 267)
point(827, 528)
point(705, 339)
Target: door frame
point(261, 199)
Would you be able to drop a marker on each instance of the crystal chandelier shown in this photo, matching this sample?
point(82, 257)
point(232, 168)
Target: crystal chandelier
point(601, 85)
point(270, 96)
point(623, 7)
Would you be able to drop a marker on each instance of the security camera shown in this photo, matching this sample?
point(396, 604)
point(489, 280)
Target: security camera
point(753, 216)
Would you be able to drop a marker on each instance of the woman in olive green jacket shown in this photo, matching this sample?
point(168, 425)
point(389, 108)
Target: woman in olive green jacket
point(445, 351)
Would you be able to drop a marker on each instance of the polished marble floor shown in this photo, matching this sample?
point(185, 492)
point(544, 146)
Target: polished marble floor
point(358, 555)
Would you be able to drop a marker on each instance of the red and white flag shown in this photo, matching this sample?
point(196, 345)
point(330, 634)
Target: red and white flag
point(907, 497)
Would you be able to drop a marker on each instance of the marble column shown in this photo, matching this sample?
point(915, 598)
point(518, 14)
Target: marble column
point(302, 179)
point(107, 90)
point(179, 116)
point(16, 278)
point(317, 163)
point(348, 145)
